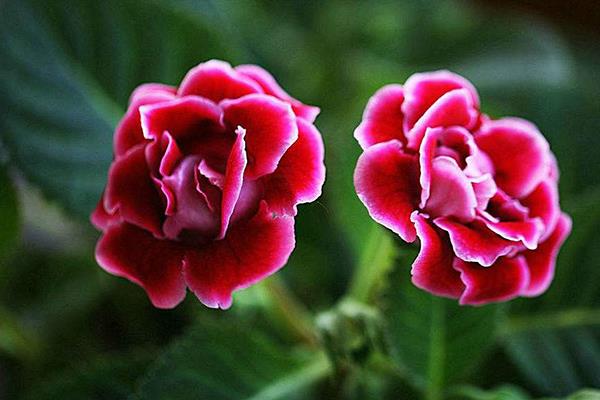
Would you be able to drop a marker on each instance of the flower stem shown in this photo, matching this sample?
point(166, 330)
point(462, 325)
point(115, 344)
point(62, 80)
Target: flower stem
point(375, 262)
point(437, 352)
point(289, 310)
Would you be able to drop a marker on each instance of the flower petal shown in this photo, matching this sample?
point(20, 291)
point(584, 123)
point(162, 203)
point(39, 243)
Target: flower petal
point(300, 174)
point(519, 152)
point(182, 118)
point(426, 155)
point(386, 181)
point(504, 280)
point(163, 155)
point(216, 80)
point(100, 218)
point(270, 86)
point(131, 190)
point(451, 192)
point(474, 242)
point(234, 178)
point(382, 119)
point(527, 231)
point(192, 211)
point(541, 262)
point(485, 188)
point(543, 203)
point(270, 126)
point(133, 253)
point(150, 90)
point(251, 251)
point(422, 90)
point(455, 108)
point(129, 130)
point(432, 269)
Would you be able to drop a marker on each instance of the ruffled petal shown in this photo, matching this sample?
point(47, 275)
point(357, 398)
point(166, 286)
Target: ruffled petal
point(387, 182)
point(216, 80)
point(504, 280)
point(127, 251)
point(270, 126)
point(163, 155)
point(455, 108)
point(150, 90)
point(519, 152)
point(543, 203)
point(300, 174)
point(426, 156)
point(422, 90)
point(251, 251)
point(527, 231)
point(382, 119)
point(129, 130)
point(131, 190)
point(234, 178)
point(541, 262)
point(485, 188)
point(100, 218)
point(432, 269)
point(451, 192)
point(475, 242)
point(270, 86)
point(182, 118)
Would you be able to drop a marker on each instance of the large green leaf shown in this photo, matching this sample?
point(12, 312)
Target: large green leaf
point(66, 70)
point(230, 358)
point(436, 341)
point(514, 393)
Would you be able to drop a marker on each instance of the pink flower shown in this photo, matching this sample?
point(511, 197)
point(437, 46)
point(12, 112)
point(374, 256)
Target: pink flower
point(480, 194)
point(203, 189)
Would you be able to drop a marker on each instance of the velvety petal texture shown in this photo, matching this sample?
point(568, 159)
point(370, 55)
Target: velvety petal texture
point(251, 251)
point(383, 118)
point(133, 253)
point(481, 195)
point(386, 181)
point(205, 183)
point(432, 269)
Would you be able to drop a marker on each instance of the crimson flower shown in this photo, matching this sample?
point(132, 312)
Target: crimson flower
point(203, 189)
point(480, 194)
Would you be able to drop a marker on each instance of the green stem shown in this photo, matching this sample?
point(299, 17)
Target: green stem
point(376, 260)
point(437, 354)
point(557, 319)
point(288, 309)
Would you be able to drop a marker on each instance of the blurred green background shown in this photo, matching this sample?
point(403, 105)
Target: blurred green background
point(68, 330)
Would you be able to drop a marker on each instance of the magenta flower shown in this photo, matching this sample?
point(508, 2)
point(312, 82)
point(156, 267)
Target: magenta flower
point(203, 189)
point(480, 194)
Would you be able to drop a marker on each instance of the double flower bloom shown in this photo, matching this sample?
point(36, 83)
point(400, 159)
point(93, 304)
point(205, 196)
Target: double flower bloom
point(207, 176)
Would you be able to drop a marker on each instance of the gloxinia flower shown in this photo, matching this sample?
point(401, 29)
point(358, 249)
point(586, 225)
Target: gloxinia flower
point(480, 194)
point(203, 189)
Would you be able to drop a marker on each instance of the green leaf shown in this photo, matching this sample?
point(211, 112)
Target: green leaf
point(501, 393)
point(66, 71)
point(513, 393)
point(229, 358)
point(436, 341)
point(9, 214)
